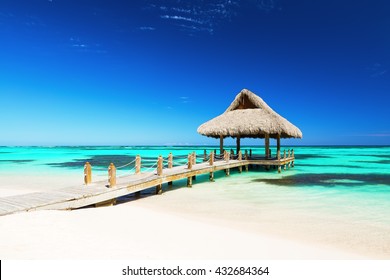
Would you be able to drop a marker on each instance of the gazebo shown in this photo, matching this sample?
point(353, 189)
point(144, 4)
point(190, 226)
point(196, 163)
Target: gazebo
point(248, 116)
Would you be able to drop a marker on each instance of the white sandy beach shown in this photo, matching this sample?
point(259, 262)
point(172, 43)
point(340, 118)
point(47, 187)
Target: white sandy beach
point(197, 223)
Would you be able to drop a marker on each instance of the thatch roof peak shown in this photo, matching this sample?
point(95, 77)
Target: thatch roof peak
point(246, 99)
point(249, 116)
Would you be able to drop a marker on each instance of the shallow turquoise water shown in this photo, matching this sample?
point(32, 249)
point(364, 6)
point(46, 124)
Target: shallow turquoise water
point(352, 171)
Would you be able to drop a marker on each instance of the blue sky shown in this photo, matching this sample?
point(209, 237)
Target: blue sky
point(150, 72)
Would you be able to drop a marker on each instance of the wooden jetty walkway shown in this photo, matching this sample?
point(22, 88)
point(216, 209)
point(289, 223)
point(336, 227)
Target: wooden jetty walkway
point(105, 192)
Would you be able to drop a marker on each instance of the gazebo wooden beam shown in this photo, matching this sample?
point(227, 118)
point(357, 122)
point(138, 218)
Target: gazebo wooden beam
point(266, 146)
point(221, 144)
point(278, 146)
point(238, 141)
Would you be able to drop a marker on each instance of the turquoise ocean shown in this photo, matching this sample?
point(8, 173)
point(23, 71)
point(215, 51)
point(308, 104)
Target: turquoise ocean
point(347, 184)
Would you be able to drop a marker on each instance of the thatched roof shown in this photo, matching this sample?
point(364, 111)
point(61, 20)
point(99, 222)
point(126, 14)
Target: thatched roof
point(249, 116)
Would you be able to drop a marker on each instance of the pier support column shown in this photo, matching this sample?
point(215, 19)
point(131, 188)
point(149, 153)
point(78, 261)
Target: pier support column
point(189, 182)
point(159, 189)
point(279, 169)
point(238, 142)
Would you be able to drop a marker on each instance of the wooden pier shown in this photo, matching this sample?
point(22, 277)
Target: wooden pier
point(105, 192)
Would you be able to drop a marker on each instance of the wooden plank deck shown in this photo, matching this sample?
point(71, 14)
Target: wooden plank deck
point(97, 192)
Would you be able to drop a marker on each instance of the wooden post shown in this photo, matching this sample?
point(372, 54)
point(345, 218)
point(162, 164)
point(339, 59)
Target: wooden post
point(238, 142)
point(279, 168)
point(137, 164)
point(227, 158)
point(193, 158)
point(231, 155)
point(189, 163)
point(293, 155)
point(170, 160)
point(284, 154)
point(220, 144)
point(111, 175)
point(159, 165)
point(278, 146)
point(211, 162)
point(170, 165)
point(246, 158)
point(204, 156)
point(193, 163)
point(289, 155)
point(240, 159)
point(267, 146)
point(87, 173)
point(189, 166)
point(111, 183)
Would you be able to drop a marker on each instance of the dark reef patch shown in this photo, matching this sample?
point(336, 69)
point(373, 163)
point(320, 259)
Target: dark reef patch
point(104, 161)
point(97, 161)
point(329, 180)
point(308, 156)
point(21, 161)
point(328, 165)
point(383, 161)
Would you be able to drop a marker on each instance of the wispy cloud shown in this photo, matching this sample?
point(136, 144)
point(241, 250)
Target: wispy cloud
point(378, 135)
point(184, 99)
point(147, 28)
point(204, 16)
point(78, 45)
point(175, 17)
point(376, 70)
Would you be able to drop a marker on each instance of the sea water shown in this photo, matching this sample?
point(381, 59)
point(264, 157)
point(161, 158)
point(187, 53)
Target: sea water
point(327, 188)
